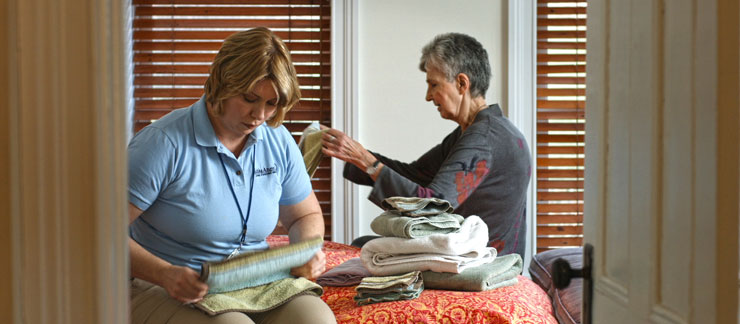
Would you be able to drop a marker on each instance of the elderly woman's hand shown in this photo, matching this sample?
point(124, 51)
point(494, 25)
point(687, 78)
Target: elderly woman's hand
point(337, 144)
point(314, 268)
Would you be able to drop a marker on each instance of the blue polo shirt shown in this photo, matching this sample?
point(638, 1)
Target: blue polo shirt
point(177, 178)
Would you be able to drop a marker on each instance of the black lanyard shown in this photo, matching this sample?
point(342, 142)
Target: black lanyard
point(244, 218)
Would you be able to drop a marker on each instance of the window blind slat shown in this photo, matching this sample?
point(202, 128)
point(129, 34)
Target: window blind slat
point(224, 11)
point(207, 58)
point(560, 184)
point(223, 2)
point(144, 46)
point(560, 230)
point(559, 80)
point(225, 23)
point(562, 45)
point(220, 35)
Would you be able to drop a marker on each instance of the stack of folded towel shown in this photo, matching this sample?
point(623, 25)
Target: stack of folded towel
point(381, 289)
point(452, 252)
point(421, 234)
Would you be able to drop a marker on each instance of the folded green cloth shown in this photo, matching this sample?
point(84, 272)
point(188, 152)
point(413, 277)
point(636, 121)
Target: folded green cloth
point(414, 206)
point(258, 299)
point(503, 271)
point(389, 288)
point(372, 299)
point(256, 269)
point(390, 223)
point(310, 146)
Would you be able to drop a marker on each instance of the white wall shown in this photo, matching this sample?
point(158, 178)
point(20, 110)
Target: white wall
point(394, 118)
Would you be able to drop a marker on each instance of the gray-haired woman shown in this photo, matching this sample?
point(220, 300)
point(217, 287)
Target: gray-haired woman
point(482, 167)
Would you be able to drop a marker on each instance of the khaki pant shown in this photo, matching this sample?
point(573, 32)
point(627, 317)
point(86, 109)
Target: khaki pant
point(151, 304)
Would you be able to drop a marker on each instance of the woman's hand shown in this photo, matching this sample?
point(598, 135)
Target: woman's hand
point(183, 284)
point(314, 268)
point(337, 144)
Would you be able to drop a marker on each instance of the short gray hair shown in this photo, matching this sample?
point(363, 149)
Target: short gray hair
point(455, 53)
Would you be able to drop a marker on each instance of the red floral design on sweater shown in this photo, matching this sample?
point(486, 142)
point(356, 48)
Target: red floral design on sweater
point(467, 181)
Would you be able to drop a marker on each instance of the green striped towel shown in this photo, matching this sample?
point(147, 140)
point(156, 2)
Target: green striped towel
point(256, 269)
point(258, 299)
point(389, 288)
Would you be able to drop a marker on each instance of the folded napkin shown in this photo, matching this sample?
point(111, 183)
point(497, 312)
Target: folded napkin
point(389, 288)
point(390, 223)
point(503, 271)
point(348, 273)
point(310, 146)
point(414, 206)
point(256, 269)
point(258, 299)
point(453, 252)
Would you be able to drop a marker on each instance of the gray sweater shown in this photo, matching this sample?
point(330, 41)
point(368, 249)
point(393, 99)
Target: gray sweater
point(483, 171)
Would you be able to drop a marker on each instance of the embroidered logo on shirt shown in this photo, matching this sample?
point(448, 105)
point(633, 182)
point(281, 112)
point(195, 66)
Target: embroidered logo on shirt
point(265, 171)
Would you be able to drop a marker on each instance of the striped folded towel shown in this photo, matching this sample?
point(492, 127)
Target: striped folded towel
point(389, 288)
point(256, 269)
point(415, 206)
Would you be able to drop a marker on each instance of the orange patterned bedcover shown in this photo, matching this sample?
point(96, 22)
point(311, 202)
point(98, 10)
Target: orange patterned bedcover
point(524, 302)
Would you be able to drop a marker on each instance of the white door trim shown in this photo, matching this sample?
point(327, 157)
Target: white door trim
point(345, 102)
point(521, 81)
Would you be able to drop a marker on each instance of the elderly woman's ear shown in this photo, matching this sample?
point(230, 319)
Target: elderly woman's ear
point(463, 82)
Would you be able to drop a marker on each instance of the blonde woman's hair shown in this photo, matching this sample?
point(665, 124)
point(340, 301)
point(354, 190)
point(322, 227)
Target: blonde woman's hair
point(246, 58)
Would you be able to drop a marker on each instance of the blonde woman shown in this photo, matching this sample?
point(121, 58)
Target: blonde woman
point(211, 181)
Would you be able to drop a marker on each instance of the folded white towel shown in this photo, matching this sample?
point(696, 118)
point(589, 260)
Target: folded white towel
point(384, 264)
point(451, 252)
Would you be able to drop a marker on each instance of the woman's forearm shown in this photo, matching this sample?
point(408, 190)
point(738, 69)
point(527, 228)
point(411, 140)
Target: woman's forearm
point(307, 227)
point(144, 264)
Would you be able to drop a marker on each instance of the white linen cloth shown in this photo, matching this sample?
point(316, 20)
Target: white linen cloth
point(453, 252)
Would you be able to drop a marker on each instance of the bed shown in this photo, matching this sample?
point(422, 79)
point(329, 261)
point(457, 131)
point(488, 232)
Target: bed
point(524, 302)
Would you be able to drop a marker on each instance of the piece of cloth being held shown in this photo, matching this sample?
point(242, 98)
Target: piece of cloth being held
point(255, 269)
point(310, 146)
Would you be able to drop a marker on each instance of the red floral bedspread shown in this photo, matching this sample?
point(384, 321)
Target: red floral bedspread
point(524, 302)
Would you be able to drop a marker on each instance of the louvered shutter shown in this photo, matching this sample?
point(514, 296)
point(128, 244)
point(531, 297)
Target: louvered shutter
point(561, 88)
point(174, 42)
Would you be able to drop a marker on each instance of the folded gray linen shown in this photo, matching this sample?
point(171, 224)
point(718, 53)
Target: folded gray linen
point(346, 274)
point(414, 206)
point(389, 288)
point(392, 224)
point(503, 271)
